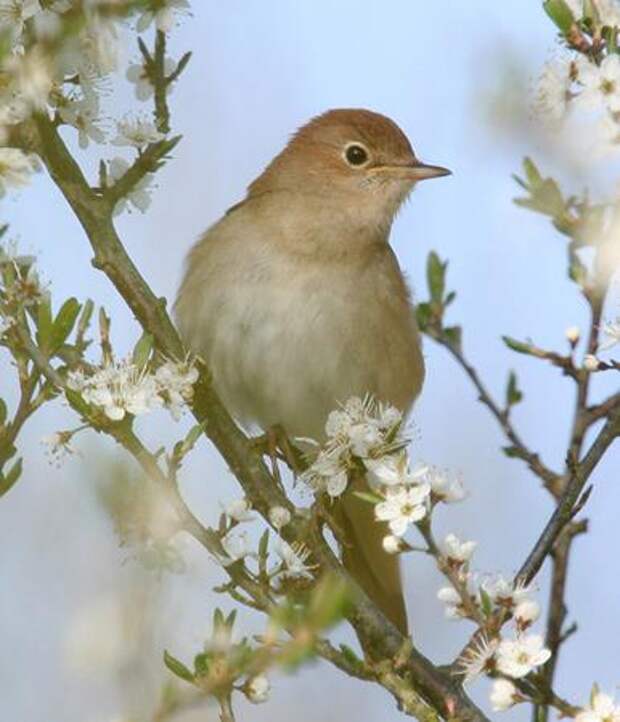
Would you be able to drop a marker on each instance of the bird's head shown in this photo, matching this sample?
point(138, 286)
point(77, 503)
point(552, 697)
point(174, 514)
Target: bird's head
point(356, 161)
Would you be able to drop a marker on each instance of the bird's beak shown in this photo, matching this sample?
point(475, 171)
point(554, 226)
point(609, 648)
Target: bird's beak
point(413, 171)
point(421, 171)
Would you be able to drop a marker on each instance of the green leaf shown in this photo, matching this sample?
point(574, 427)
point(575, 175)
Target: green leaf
point(3, 412)
point(487, 603)
point(44, 323)
point(517, 346)
point(560, 13)
point(9, 480)
point(64, 323)
point(513, 393)
point(423, 314)
point(263, 545)
point(201, 665)
point(511, 452)
point(531, 173)
point(142, 350)
point(368, 496)
point(85, 318)
point(453, 335)
point(177, 667)
point(435, 276)
point(328, 603)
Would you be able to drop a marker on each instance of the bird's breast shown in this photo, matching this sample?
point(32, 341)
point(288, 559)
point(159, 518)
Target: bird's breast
point(287, 339)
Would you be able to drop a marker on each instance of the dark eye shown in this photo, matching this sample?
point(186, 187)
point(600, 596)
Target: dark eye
point(356, 154)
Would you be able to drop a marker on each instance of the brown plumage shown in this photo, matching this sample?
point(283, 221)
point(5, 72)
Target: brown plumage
point(296, 300)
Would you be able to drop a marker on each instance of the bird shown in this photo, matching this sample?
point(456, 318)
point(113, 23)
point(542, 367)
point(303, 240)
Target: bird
point(296, 302)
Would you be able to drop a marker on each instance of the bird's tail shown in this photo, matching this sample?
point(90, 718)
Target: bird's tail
point(376, 571)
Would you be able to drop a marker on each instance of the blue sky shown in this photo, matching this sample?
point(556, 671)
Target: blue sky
point(260, 70)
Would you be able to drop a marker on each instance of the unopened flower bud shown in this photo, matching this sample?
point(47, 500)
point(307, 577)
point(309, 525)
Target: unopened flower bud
point(573, 334)
point(590, 362)
point(257, 689)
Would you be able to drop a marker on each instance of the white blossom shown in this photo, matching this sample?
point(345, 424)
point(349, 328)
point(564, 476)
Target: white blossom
point(118, 389)
point(257, 689)
point(279, 516)
point(236, 545)
point(32, 77)
point(14, 13)
point(163, 16)
point(83, 115)
point(58, 446)
point(239, 510)
point(176, 384)
point(504, 592)
point(402, 507)
point(16, 168)
point(503, 695)
point(600, 83)
point(27, 289)
point(602, 708)
point(526, 613)
point(452, 599)
point(443, 488)
point(327, 473)
point(294, 558)
point(136, 133)
point(140, 194)
point(458, 551)
point(478, 659)
point(552, 92)
point(99, 46)
point(393, 470)
point(139, 76)
point(518, 657)
point(611, 331)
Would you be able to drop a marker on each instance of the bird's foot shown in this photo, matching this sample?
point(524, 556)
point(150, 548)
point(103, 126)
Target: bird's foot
point(276, 445)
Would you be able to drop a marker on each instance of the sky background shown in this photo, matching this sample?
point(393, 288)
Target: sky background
point(83, 624)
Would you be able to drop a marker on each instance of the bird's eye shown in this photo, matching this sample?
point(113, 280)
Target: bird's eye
point(356, 154)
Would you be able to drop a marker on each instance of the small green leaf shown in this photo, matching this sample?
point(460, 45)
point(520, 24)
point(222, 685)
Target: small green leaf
point(64, 323)
point(560, 13)
point(142, 350)
point(10, 479)
point(3, 412)
point(531, 173)
point(263, 545)
point(423, 314)
point(513, 393)
point(453, 335)
point(517, 346)
point(177, 667)
point(435, 276)
point(328, 603)
point(487, 603)
point(201, 665)
point(511, 452)
point(44, 323)
point(368, 496)
point(85, 318)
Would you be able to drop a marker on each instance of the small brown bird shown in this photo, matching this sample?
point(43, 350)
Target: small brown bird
point(296, 301)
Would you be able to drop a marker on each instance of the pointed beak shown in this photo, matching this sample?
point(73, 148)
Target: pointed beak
point(421, 171)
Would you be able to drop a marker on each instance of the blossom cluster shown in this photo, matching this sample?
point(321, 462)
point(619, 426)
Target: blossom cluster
point(122, 388)
point(237, 545)
point(61, 67)
point(365, 437)
point(588, 83)
point(506, 658)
